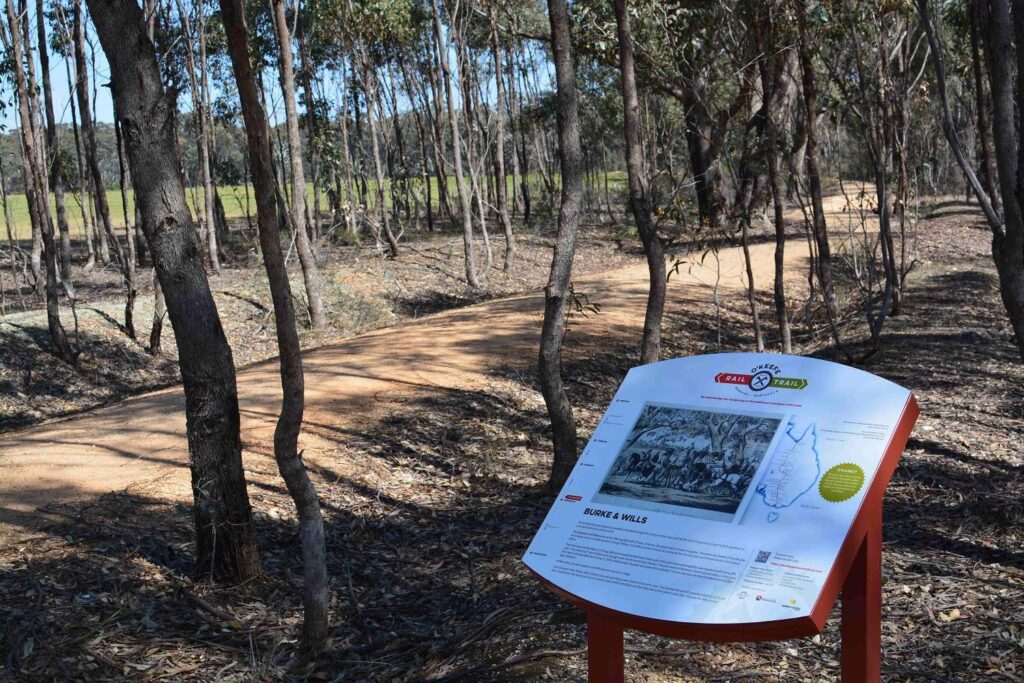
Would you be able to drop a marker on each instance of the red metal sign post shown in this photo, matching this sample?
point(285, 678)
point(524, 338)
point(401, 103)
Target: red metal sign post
point(862, 607)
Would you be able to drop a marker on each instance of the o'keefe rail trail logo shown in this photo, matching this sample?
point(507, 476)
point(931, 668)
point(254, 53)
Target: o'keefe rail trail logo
point(760, 379)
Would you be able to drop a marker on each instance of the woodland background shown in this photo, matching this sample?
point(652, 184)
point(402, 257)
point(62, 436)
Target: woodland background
point(389, 259)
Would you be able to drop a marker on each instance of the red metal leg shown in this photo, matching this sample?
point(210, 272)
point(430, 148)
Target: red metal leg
point(606, 662)
point(862, 609)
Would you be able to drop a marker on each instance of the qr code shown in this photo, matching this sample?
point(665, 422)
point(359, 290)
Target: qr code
point(762, 556)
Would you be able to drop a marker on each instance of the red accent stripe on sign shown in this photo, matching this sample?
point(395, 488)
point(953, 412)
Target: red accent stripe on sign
point(732, 378)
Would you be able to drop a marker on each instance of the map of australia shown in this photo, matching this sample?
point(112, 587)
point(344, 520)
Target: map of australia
point(793, 469)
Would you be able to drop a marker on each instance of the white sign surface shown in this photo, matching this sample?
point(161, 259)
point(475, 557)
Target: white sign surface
point(719, 489)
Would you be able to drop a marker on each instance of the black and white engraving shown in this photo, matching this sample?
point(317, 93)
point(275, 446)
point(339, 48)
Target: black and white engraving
point(689, 458)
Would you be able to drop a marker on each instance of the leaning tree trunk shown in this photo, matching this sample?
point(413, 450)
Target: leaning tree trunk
point(639, 201)
point(225, 536)
point(310, 274)
point(558, 293)
point(286, 435)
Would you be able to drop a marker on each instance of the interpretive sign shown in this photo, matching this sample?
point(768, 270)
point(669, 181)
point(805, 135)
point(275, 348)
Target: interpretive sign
point(726, 492)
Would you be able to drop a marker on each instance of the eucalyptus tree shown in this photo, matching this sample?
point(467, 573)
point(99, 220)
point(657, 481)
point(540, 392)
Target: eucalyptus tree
point(56, 170)
point(986, 156)
point(286, 70)
point(372, 88)
point(64, 44)
point(459, 31)
point(104, 227)
point(472, 277)
point(776, 83)
point(639, 199)
point(558, 293)
point(819, 228)
point(198, 86)
point(1003, 33)
point(289, 424)
point(500, 106)
point(34, 171)
point(225, 537)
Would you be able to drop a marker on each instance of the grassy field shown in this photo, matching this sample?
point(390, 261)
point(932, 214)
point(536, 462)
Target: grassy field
point(233, 198)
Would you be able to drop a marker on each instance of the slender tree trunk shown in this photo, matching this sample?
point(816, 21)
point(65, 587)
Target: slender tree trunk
point(558, 293)
point(159, 313)
point(317, 313)
point(818, 226)
point(475, 191)
point(289, 424)
point(56, 170)
point(350, 188)
point(225, 536)
point(987, 161)
point(453, 122)
point(372, 100)
point(89, 134)
point(519, 130)
point(357, 139)
point(639, 201)
point(197, 81)
point(437, 137)
point(132, 292)
point(306, 75)
point(83, 191)
point(878, 132)
point(400, 184)
point(103, 207)
point(206, 132)
point(501, 186)
point(1002, 111)
point(421, 136)
point(34, 172)
point(9, 225)
point(770, 84)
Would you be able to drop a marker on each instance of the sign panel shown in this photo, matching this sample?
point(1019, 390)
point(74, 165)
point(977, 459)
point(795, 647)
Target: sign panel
point(719, 489)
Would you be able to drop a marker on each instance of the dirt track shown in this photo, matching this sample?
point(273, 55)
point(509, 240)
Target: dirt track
point(139, 444)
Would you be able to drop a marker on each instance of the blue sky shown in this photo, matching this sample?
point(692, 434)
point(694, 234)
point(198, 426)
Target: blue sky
point(104, 105)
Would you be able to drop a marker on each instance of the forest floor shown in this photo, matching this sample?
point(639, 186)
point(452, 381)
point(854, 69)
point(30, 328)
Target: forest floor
point(428, 443)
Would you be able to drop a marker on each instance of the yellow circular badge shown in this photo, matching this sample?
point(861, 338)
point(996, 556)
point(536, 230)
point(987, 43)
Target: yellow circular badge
point(841, 482)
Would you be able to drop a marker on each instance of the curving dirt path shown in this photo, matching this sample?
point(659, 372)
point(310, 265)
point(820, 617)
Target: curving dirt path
point(140, 444)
